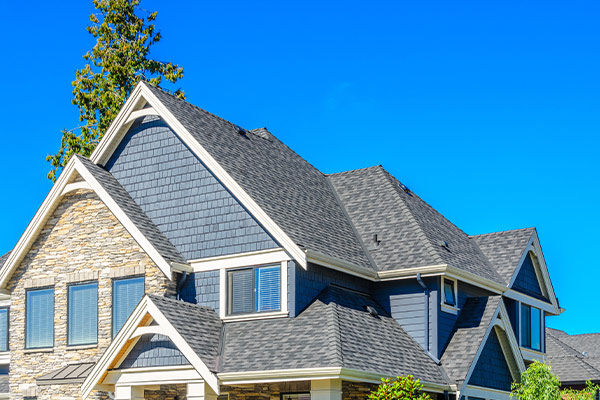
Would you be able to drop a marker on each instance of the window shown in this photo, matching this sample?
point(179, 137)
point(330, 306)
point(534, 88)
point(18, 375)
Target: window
point(39, 318)
point(83, 314)
point(254, 290)
point(531, 327)
point(3, 329)
point(449, 292)
point(127, 293)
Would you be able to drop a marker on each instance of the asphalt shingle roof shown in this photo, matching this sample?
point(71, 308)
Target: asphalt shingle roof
point(469, 331)
point(292, 192)
point(4, 258)
point(133, 211)
point(504, 249)
point(410, 230)
point(573, 358)
point(4, 386)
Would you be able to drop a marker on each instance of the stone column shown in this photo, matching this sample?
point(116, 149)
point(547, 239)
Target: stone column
point(200, 391)
point(129, 393)
point(326, 389)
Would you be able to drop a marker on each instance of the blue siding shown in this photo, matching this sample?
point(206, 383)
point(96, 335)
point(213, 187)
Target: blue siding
point(202, 288)
point(527, 281)
point(447, 320)
point(405, 301)
point(153, 351)
point(492, 370)
point(181, 196)
point(512, 308)
point(310, 282)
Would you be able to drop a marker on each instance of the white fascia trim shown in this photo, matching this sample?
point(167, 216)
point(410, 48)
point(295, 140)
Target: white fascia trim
point(107, 361)
point(339, 265)
point(512, 339)
point(272, 256)
point(409, 273)
point(484, 393)
point(532, 355)
point(541, 268)
point(532, 301)
point(118, 128)
point(170, 375)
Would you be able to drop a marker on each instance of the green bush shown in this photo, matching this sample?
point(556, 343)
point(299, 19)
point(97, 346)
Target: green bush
point(401, 388)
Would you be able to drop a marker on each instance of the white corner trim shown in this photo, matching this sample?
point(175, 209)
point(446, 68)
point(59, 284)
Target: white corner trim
point(240, 260)
point(140, 113)
point(71, 187)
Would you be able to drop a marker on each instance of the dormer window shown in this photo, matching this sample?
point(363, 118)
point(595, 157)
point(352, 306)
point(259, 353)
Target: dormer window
point(254, 290)
point(449, 292)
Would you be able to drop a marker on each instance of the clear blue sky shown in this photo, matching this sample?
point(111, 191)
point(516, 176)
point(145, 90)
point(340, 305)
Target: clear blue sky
point(489, 110)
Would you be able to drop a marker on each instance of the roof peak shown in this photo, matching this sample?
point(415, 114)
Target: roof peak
point(532, 228)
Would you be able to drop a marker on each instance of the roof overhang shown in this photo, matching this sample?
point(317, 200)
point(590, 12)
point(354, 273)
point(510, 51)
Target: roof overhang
point(60, 189)
point(139, 324)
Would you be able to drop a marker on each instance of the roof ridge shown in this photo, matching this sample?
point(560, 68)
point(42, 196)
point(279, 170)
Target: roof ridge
point(356, 170)
point(505, 231)
point(336, 332)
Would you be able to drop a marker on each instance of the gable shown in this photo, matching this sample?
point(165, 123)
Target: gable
point(181, 196)
point(492, 370)
point(527, 280)
point(153, 350)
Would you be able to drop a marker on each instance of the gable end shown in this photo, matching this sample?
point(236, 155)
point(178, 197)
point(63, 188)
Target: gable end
point(492, 370)
point(527, 280)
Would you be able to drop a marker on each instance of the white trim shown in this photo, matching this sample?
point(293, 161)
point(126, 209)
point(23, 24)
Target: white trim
point(532, 301)
point(253, 316)
point(5, 357)
point(338, 264)
point(71, 187)
point(451, 309)
point(271, 256)
point(144, 309)
point(116, 130)
point(147, 330)
point(140, 113)
point(484, 393)
point(170, 375)
point(532, 355)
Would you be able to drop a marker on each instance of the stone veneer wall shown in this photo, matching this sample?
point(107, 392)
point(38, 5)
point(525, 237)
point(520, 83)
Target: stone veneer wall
point(265, 391)
point(81, 241)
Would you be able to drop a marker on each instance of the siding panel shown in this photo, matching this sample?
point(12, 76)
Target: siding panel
point(153, 351)
point(492, 370)
point(202, 288)
point(527, 282)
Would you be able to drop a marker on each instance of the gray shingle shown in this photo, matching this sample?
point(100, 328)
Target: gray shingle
point(133, 211)
point(469, 331)
point(4, 387)
point(70, 373)
point(409, 229)
point(4, 258)
point(573, 358)
point(504, 249)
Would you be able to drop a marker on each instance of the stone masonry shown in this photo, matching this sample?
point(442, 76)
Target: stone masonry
point(82, 241)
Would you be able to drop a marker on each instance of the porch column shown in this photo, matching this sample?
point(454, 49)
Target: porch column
point(326, 389)
point(129, 393)
point(200, 391)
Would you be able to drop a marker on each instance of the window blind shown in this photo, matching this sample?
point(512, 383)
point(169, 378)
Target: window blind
point(39, 318)
point(83, 314)
point(268, 289)
point(240, 291)
point(3, 329)
point(127, 293)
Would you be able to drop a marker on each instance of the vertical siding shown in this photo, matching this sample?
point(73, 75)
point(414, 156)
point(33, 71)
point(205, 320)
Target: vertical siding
point(527, 281)
point(153, 351)
point(202, 288)
point(309, 283)
point(181, 196)
point(492, 370)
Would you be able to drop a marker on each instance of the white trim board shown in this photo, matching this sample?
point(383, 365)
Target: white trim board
point(50, 203)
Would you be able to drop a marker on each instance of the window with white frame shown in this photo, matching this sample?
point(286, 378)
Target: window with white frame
point(449, 292)
point(127, 293)
point(4, 329)
point(82, 318)
point(254, 290)
point(39, 318)
point(531, 327)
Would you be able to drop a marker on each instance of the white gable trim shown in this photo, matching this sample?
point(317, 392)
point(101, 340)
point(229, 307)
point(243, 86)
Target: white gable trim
point(131, 329)
point(541, 270)
point(140, 95)
point(501, 320)
point(471, 391)
point(52, 200)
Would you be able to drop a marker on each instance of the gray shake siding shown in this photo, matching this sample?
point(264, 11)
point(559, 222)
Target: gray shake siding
point(527, 282)
point(153, 351)
point(202, 288)
point(181, 196)
point(492, 370)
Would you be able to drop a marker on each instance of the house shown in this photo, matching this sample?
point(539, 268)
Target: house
point(191, 258)
point(575, 359)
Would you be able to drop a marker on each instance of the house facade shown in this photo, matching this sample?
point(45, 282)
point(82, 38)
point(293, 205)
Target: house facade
point(189, 258)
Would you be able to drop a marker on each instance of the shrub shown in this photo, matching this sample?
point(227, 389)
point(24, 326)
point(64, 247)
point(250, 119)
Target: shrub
point(401, 388)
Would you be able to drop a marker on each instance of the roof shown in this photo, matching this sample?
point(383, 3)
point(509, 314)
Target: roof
point(133, 211)
point(4, 386)
point(292, 192)
point(410, 230)
point(469, 332)
point(573, 358)
point(71, 373)
point(505, 249)
point(4, 258)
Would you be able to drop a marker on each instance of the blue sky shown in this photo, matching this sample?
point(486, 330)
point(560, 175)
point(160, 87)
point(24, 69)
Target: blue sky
point(487, 110)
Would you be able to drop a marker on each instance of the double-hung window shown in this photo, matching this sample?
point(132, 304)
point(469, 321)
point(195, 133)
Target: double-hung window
point(4, 329)
point(531, 327)
point(39, 318)
point(253, 290)
point(83, 314)
point(127, 293)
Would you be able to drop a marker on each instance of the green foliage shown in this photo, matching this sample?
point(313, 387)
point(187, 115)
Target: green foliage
point(401, 388)
point(539, 383)
point(117, 62)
